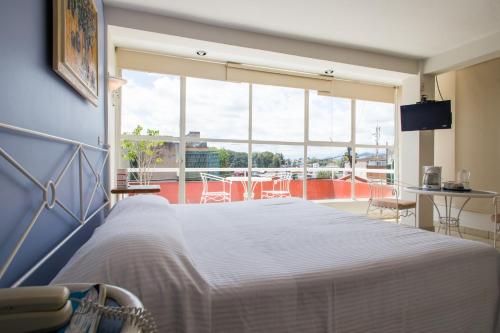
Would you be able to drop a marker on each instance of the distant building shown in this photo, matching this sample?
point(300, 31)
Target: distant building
point(198, 155)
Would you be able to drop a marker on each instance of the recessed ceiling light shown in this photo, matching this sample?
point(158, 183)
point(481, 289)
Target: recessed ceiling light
point(329, 72)
point(201, 53)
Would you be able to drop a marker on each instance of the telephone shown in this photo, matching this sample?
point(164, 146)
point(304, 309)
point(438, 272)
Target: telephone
point(57, 309)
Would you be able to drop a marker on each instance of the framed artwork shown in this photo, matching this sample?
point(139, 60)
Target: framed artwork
point(75, 53)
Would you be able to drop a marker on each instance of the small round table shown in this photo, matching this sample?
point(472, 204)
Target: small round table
point(448, 195)
point(244, 181)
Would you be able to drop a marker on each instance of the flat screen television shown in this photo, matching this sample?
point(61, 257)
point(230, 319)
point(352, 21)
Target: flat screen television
point(428, 115)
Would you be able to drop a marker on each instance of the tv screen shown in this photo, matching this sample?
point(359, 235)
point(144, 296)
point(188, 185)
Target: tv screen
point(426, 116)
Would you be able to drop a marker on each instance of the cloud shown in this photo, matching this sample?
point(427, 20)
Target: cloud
point(220, 110)
point(278, 113)
point(217, 109)
point(152, 101)
point(329, 118)
point(368, 115)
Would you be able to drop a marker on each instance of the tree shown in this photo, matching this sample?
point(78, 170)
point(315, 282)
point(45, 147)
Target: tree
point(142, 154)
point(324, 174)
point(224, 157)
point(277, 160)
point(262, 159)
point(234, 159)
point(238, 159)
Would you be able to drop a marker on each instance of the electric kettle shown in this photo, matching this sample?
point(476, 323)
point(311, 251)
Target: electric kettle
point(432, 178)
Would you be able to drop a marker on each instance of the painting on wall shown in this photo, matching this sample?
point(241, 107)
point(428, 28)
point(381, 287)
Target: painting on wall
point(75, 54)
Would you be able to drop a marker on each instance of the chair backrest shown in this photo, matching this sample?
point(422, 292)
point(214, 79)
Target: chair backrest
point(206, 178)
point(282, 182)
point(204, 181)
point(379, 189)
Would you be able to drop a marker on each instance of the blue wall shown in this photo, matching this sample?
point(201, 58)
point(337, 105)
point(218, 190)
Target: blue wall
point(33, 96)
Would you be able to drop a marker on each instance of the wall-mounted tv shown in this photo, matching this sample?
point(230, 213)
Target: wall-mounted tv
point(428, 115)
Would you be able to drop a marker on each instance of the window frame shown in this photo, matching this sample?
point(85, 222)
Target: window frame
point(183, 139)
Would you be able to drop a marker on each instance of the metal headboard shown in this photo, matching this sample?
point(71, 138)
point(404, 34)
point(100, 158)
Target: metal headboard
point(49, 191)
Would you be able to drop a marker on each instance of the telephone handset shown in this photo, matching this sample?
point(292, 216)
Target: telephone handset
point(56, 308)
point(34, 308)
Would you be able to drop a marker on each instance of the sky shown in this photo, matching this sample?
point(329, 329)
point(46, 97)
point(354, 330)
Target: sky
point(219, 110)
point(329, 118)
point(152, 101)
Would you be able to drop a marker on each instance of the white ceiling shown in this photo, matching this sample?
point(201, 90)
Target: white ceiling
point(413, 28)
point(186, 47)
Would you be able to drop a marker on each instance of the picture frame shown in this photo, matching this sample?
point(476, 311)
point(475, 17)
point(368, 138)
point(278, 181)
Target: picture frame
point(76, 45)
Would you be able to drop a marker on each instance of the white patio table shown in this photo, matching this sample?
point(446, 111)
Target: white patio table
point(448, 195)
point(244, 181)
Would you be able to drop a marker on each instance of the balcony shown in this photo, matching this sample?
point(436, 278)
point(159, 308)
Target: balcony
point(317, 189)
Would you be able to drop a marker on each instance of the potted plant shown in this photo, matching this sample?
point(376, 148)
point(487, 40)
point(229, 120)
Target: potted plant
point(142, 154)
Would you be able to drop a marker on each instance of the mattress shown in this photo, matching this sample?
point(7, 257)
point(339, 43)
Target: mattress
point(288, 265)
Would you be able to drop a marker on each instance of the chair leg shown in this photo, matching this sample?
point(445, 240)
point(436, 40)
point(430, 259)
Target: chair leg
point(495, 235)
point(415, 217)
point(397, 215)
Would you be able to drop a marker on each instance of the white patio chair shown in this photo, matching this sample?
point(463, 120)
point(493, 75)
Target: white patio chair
point(223, 193)
point(495, 218)
point(281, 187)
point(380, 200)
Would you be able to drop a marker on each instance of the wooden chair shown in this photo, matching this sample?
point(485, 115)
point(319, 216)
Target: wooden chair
point(386, 196)
point(495, 218)
point(223, 192)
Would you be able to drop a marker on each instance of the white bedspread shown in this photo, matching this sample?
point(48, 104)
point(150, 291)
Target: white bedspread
point(288, 265)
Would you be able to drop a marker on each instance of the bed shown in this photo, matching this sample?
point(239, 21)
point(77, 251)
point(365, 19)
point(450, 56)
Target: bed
point(288, 265)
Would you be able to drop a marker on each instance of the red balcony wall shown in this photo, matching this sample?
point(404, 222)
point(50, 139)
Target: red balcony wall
point(317, 189)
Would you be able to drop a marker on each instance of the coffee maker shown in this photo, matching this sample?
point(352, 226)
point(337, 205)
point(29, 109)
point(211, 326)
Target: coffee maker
point(432, 178)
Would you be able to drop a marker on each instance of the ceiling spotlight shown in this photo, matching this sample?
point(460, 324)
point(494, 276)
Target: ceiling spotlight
point(201, 53)
point(329, 72)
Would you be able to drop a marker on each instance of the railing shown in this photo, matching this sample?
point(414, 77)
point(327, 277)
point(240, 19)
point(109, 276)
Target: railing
point(297, 170)
point(317, 188)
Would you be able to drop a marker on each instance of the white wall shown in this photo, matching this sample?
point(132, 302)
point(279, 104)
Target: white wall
point(477, 143)
point(416, 149)
point(408, 141)
point(444, 140)
point(473, 143)
point(477, 129)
